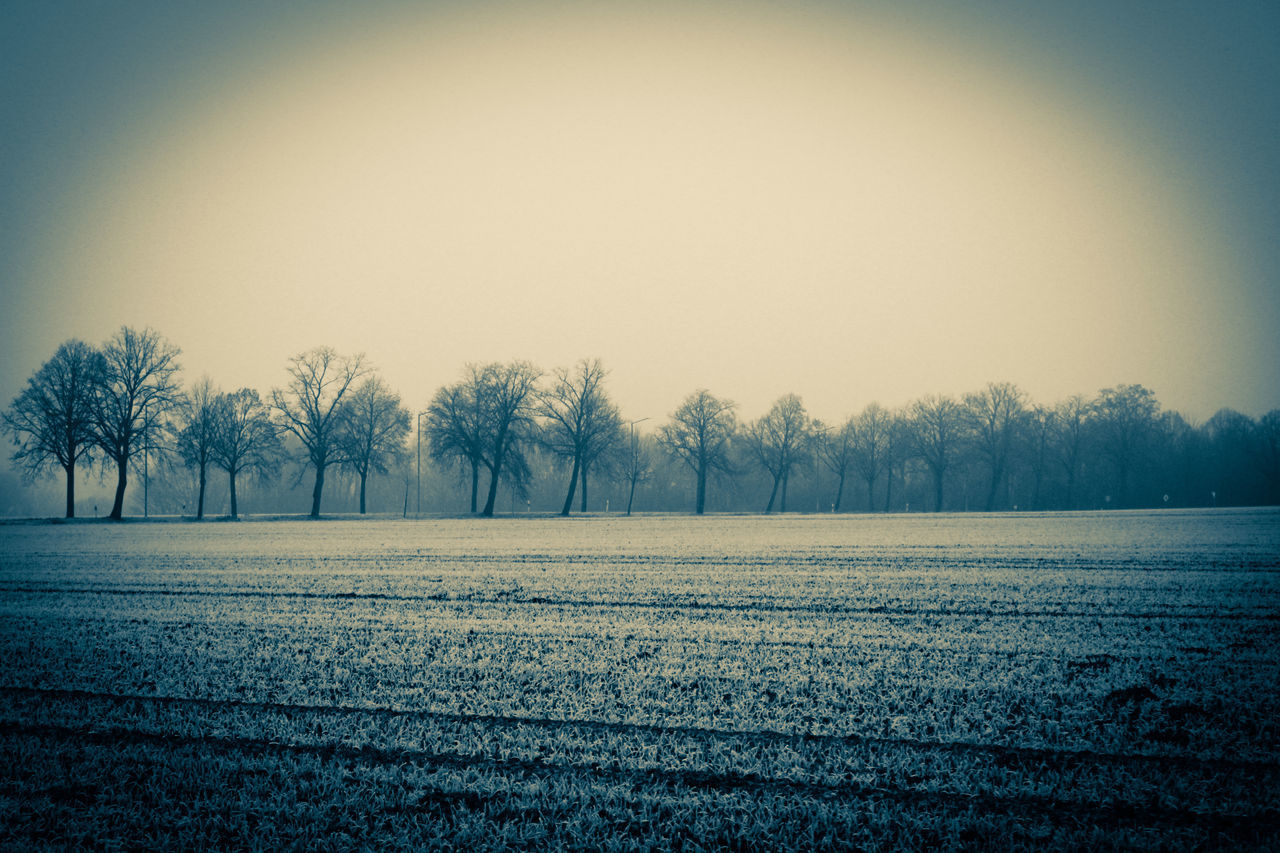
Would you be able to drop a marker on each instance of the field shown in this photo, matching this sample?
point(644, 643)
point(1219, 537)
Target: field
point(804, 682)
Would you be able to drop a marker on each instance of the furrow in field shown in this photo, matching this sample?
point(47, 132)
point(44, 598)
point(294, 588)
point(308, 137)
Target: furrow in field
point(1201, 612)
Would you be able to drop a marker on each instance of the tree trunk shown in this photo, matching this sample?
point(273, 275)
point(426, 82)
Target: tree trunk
point(573, 485)
point(888, 490)
point(364, 476)
point(475, 484)
point(835, 507)
point(996, 472)
point(584, 489)
point(785, 477)
point(71, 489)
point(316, 492)
point(232, 475)
point(773, 493)
point(631, 495)
point(200, 499)
point(122, 479)
point(487, 512)
point(701, 502)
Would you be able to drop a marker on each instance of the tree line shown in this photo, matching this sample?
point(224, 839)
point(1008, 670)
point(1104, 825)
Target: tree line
point(511, 426)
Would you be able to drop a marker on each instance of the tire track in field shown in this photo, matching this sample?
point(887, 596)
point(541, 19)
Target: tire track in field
point(695, 605)
point(1009, 756)
point(1111, 814)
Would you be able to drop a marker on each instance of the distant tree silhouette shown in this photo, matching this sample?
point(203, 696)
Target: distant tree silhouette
point(508, 395)
point(456, 426)
point(372, 430)
point(638, 466)
point(1072, 420)
point(699, 434)
point(137, 389)
point(777, 441)
point(52, 420)
point(245, 439)
point(196, 436)
point(1125, 418)
point(835, 449)
point(581, 421)
point(994, 415)
point(937, 429)
point(897, 450)
point(870, 434)
point(1040, 426)
point(310, 407)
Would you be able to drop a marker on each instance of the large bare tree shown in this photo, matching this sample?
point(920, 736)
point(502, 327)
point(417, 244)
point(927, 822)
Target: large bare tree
point(1072, 419)
point(138, 389)
point(872, 439)
point(835, 449)
point(698, 434)
point(581, 421)
point(937, 428)
point(52, 420)
point(196, 437)
point(508, 395)
point(310, 407)
point(245, 439)
point(373, 430)
point(638, 466)
point(994, 416)
point(1125, 424)
point(777, 440)
point(456, 426)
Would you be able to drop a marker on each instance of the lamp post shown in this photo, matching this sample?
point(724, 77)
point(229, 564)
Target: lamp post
point(418, 511)
point(631, 475)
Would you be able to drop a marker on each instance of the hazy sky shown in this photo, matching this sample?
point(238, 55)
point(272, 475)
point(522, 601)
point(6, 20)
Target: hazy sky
point(851, 201)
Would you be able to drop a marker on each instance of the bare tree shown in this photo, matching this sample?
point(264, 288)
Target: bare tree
point(138, 388)
point(372, 431)
point(835, 448)
point(638, 467)
point(699, 434)
point(897, 450)
point(777, 441)
point(1125, 419)
point(310, 407)
point(52, 420)
point(1071, 422)
point(245, 439)
point(195, 438)
point(582, 422)
point(994, 416)
point(508, 393)
point(936, 431)
point(870, 439)
point(1040, 429)
point(456, 426)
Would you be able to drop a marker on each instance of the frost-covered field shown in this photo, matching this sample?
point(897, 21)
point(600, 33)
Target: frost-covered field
point(800, 682)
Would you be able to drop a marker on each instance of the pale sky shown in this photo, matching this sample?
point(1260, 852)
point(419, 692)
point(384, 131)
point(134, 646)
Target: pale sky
point(846, 200)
